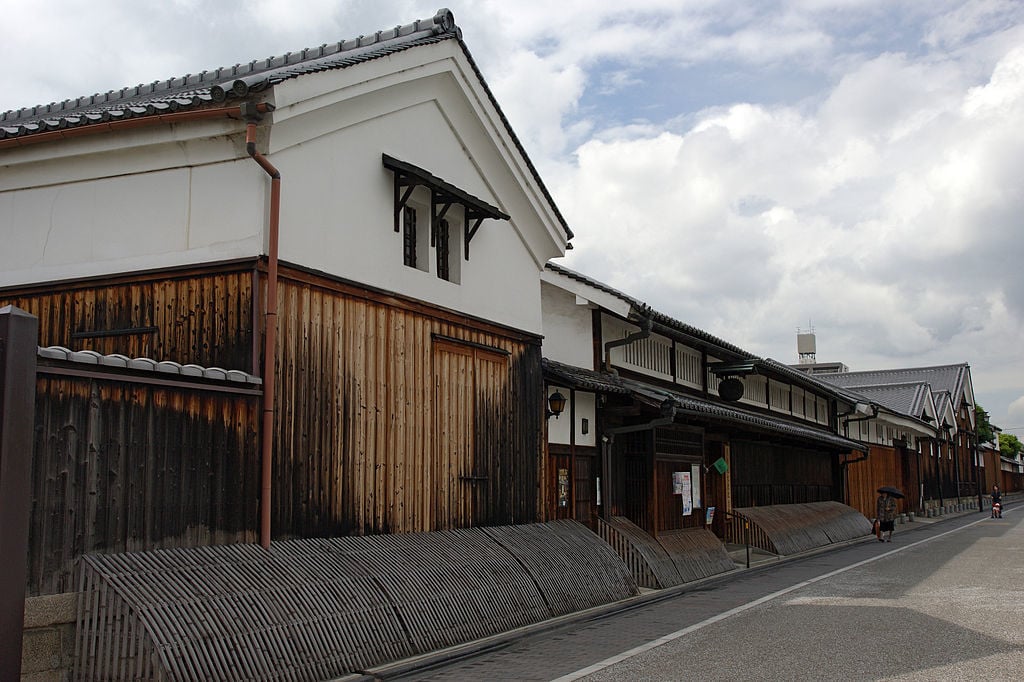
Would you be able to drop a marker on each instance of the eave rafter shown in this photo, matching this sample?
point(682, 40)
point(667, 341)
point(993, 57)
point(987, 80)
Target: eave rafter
point(443, 195)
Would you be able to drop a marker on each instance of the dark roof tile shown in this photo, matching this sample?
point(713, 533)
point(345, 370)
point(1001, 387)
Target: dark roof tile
point(194, 90)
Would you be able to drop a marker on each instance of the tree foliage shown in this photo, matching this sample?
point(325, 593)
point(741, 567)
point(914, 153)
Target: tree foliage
point(982, 426)
point(1009, 445)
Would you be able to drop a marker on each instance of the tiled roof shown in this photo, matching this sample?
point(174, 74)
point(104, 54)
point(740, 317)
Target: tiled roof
point(235, 82)
point(241, 81)
point(908, 399)
point(736, 415)
point(641, 309)
point(588, 380)
point(91, 357)
point(941, 378)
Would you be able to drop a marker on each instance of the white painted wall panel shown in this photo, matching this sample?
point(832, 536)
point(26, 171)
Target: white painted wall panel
point(130, 222)
point(172, 199)
point(559, 429)
point(567, 327)
point(337, 216)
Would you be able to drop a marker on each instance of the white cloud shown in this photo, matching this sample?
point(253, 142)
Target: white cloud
point(1015, 414)
point(540, 122)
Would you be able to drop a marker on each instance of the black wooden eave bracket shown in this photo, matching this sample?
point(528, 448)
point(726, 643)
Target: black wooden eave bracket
point(733, 369)
point(442, 196)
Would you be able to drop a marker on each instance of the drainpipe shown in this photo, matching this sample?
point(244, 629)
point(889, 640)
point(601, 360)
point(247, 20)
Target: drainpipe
point(668, 415)
point(846, 431)
point(845, 473)
point(645, 331)
point(270, 344)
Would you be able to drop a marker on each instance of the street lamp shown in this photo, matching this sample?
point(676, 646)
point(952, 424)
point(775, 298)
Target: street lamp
point(556, 404)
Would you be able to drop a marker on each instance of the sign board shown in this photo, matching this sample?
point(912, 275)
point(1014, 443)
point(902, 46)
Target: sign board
point(687, 491)
point(695, 478)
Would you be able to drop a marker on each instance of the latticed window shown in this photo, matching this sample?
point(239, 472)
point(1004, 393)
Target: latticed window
point(441, 249)
point(409, 236)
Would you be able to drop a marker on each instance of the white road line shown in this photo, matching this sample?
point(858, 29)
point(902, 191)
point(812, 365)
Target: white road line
point(608, 662)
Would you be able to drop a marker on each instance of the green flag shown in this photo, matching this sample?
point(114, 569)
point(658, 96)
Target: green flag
point(720, 465)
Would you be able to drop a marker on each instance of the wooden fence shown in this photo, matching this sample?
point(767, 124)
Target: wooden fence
point(324, 608)
point(130, 459)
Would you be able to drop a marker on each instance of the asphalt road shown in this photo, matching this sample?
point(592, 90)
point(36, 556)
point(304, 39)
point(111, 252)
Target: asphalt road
point(944, 601)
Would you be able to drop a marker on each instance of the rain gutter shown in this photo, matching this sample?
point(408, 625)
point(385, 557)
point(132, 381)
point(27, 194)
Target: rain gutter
point(646, 324)
point(127, 124)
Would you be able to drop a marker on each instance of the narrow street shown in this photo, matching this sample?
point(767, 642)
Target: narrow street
point(942, 601)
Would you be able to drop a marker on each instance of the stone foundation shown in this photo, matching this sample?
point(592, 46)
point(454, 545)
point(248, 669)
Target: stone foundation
point(48, 640)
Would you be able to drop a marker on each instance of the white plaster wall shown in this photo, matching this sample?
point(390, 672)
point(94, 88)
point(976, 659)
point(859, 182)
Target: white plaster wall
point(560, 428)
point(115, 203)
point(338, 199)
point(131, 222)
point(567, 327)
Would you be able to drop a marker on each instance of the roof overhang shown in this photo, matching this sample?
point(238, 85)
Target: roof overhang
point(729, 415)
point(443, 195)
point(592, 294)
point(580, 379)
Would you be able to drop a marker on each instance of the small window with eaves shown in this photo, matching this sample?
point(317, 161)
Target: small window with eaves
point(415, 231)
point(435, 218)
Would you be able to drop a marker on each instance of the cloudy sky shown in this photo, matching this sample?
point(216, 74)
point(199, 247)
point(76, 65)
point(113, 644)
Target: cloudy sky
point(751, 168)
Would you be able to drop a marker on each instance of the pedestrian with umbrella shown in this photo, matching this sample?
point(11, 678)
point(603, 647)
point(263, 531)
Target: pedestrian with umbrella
point(885, 511)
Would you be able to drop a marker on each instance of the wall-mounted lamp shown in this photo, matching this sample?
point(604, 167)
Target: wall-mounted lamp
point(556, 404)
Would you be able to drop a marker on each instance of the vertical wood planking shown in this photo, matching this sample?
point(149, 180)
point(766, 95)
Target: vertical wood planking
point(121, 466)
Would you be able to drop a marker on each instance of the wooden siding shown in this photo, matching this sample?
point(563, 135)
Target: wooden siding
point(885, 465)
point(200, 316)
point(395, 417)
point(120, 466)
point(766, 474)
point(365, 379)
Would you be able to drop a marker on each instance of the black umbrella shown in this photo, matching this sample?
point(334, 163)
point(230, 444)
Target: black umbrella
point(895, 492)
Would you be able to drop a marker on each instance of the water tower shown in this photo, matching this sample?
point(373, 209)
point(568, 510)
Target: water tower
point(806, 346)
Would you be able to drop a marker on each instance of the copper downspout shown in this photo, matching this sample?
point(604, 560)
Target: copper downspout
point(270, 343)
point(251, 112)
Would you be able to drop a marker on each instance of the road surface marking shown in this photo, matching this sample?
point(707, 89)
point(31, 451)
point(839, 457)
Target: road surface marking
point(653, 644)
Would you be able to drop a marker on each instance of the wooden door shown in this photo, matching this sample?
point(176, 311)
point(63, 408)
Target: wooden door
point(470, 401)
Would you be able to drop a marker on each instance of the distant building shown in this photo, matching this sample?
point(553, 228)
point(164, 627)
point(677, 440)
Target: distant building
point(941, 466)
point(806, 350)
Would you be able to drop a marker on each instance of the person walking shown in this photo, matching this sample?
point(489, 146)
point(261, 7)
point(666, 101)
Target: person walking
point(885, 515)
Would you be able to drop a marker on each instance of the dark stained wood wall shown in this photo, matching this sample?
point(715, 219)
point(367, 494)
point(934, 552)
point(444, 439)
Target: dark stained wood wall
point(765, 474)
point(124, 466)
point(398, 417)
point(202, 316)
point(392, 415)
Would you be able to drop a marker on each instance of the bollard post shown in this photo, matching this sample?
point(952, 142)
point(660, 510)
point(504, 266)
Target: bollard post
point(746, 539)
point(18, 339)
